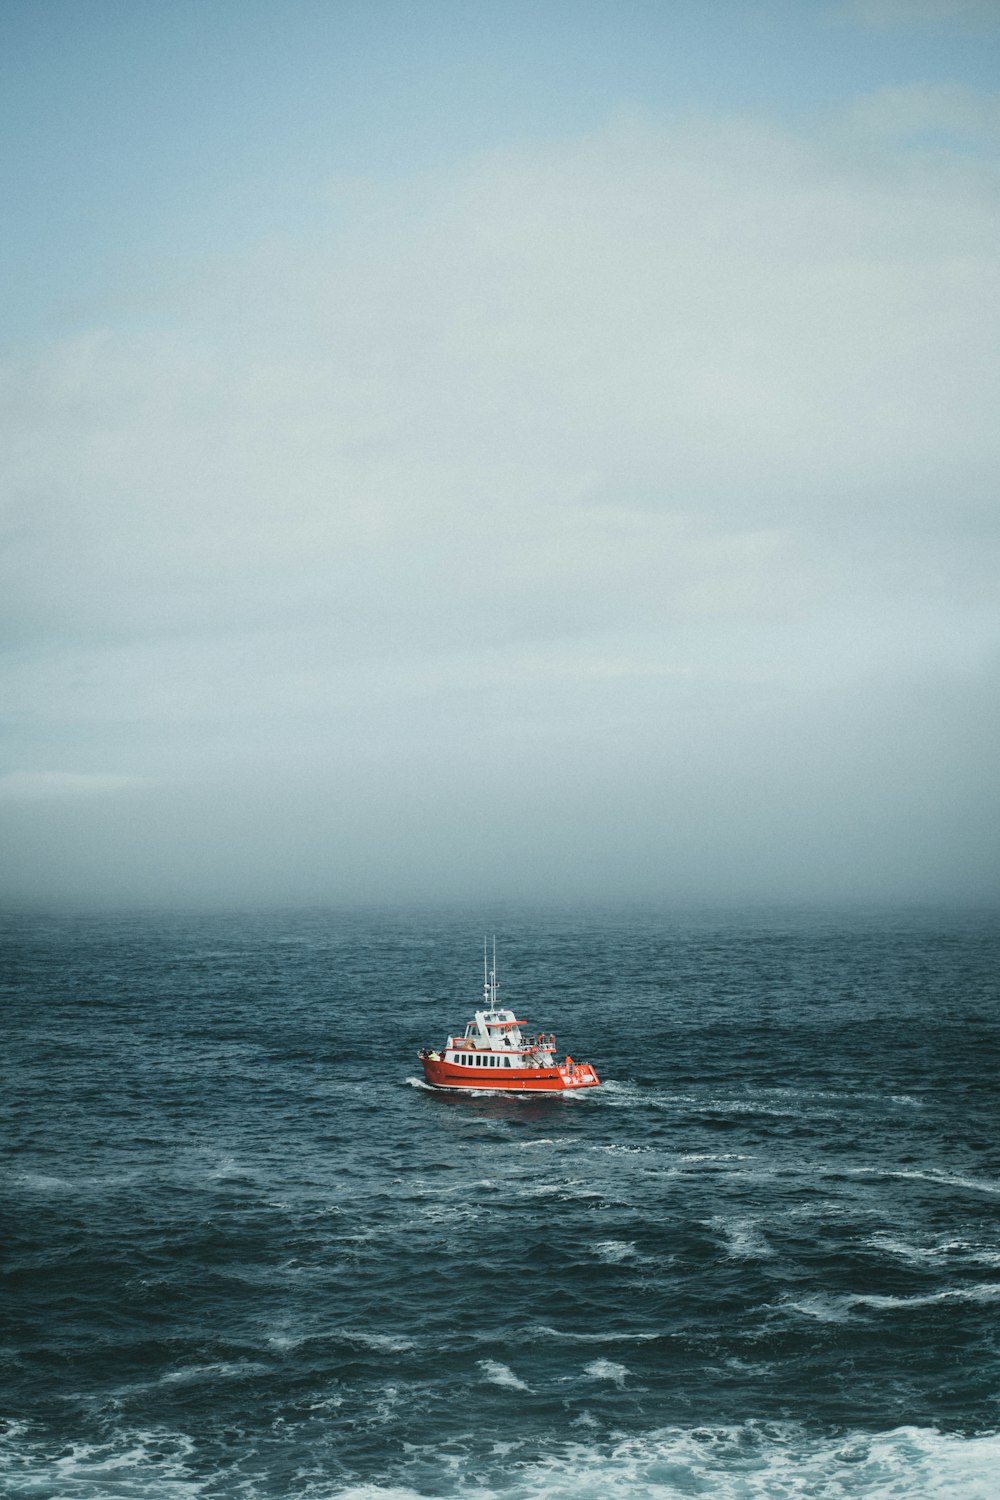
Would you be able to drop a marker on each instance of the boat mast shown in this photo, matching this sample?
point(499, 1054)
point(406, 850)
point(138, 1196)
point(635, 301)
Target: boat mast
point(489, 976)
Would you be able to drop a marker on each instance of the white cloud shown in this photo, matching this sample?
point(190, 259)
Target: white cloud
point(727, 327)
point(584, 443)
point(953, 112)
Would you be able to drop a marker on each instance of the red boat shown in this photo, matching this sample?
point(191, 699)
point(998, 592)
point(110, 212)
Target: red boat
point(496, 1053)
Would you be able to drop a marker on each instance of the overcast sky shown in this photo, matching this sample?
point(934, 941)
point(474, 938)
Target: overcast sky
point(499, 449)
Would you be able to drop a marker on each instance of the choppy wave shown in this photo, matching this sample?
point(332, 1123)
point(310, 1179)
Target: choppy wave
point(744, 1237)
point(943, 1254)
point(616, 1252)
point(190, 1374)
point(932, 1176)
point(500, 1374)
point(831, 1308)
point(252, 1256)
point(601, 1335)
point(607, 1369)
point(753, 1461)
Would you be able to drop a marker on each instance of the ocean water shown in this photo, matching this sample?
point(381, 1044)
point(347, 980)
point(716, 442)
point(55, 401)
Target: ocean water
point(247, 1253)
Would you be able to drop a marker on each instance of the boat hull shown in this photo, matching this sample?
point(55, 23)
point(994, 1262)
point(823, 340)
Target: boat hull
point(558, 1079)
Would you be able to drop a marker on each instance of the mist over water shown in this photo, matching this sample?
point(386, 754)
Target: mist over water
point(248, 1253)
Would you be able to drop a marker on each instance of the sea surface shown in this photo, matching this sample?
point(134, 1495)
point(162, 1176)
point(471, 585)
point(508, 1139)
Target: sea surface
point(247, 1253)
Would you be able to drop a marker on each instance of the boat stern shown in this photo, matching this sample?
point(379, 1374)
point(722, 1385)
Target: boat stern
point(578, 1075)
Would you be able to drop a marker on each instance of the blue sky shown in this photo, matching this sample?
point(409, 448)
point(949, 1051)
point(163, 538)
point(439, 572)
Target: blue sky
point(563, 428)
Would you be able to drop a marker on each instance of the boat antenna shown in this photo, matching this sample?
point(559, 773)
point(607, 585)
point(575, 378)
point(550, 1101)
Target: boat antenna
point(486, 979)
point(494, 971)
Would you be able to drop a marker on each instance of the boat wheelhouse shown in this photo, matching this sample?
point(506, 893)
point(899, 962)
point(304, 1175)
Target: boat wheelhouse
point(496, 1052)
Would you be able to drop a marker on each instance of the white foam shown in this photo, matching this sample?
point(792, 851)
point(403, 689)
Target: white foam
point(498, 1374)
point(450, 1213)
point(768, 1463)
point(755, 1461)
point(615, 1251)
point(974, 1253)
point(931, 1175)
point(753, 1106)
point(382, 1408)
point(982, 1292)
point(542, 1330)
point(745, 1463)
point(394, 1492)
point(224, 1370)
point(39, 1182)
point(385, 1343)
point(621, 1150)
point(829, 1308)
point(574, 1187)
point(900, 1250)
point(328, 1403)
point(837, 1096)
point(950, 1252)
point(469, 1491)
point(285, 1341)
point(620, 1095)
point(228, 1169)
point(821, 1306)
point(716, 1156)
point(744, 1239)
point(135, 1465)
point(607, 1369)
